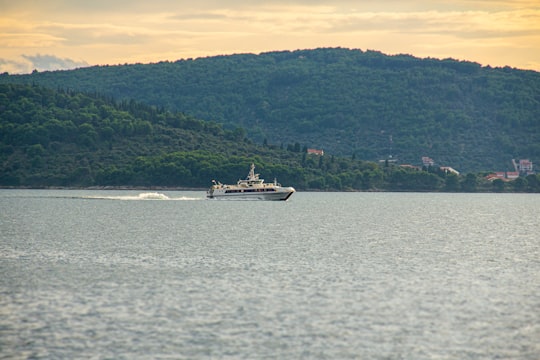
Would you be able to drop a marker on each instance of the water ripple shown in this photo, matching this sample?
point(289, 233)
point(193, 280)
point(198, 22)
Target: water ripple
point(329, 276)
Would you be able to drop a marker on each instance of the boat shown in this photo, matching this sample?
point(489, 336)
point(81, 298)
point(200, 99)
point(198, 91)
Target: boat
point(250, 188)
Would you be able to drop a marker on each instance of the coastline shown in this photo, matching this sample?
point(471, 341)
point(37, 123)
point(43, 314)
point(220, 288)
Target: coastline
point(180, 188)
point(141, 188)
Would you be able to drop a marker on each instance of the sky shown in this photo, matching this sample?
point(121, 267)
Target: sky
point(67, 34)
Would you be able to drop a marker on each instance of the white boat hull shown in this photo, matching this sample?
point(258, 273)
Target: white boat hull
point(280, 194)
point(251, 188)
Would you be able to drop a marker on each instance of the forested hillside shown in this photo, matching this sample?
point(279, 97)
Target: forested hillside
point(347, 102)
point(59, 138)
point(67, 138)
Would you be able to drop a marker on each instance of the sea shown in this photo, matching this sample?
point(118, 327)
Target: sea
point(117, 274)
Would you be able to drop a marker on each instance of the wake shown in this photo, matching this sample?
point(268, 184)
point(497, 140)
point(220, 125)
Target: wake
point(143, 196)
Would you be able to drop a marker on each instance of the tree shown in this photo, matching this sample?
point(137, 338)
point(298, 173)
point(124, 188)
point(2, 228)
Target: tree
point(498, 185)
point(533, 183)
point(452, 182)
point(469, 184)
point(519, 184)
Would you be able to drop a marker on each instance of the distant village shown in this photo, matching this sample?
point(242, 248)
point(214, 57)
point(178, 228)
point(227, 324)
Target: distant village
point(522, 167)
point(428, 162)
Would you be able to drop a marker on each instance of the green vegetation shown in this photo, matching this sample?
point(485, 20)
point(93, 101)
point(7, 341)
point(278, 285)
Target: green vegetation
point(348, 102)
point(58, 138)
point(71, 139)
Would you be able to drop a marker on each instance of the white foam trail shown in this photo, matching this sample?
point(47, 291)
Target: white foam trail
point(186, 198)
point(153, 196)
point(143, 196)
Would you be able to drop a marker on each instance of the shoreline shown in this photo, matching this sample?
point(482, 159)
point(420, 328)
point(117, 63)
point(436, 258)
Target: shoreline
point(180, 188)
point(142, 188)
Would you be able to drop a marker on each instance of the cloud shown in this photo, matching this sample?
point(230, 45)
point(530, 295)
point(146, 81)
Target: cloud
point(51, 62)
point(28, 63)
point(497, 32)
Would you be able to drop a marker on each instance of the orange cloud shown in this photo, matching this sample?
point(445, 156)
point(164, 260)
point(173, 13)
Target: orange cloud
point(490, 32)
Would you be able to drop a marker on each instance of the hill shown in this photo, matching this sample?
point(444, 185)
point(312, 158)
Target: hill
point(347, 102)
point(67, 138)
point(70, 139)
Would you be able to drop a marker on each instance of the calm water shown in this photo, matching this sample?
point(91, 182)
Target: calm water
point(126, 275)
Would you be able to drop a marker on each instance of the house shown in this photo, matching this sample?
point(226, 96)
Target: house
point(525, 166)
point(427, 161)
point(448, 169)
point(503, 175)
point(512, 175)
point(508, 175)
point(315, 152)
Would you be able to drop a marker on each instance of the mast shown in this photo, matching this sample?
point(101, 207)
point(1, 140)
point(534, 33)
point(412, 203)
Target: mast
point(252, 175)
